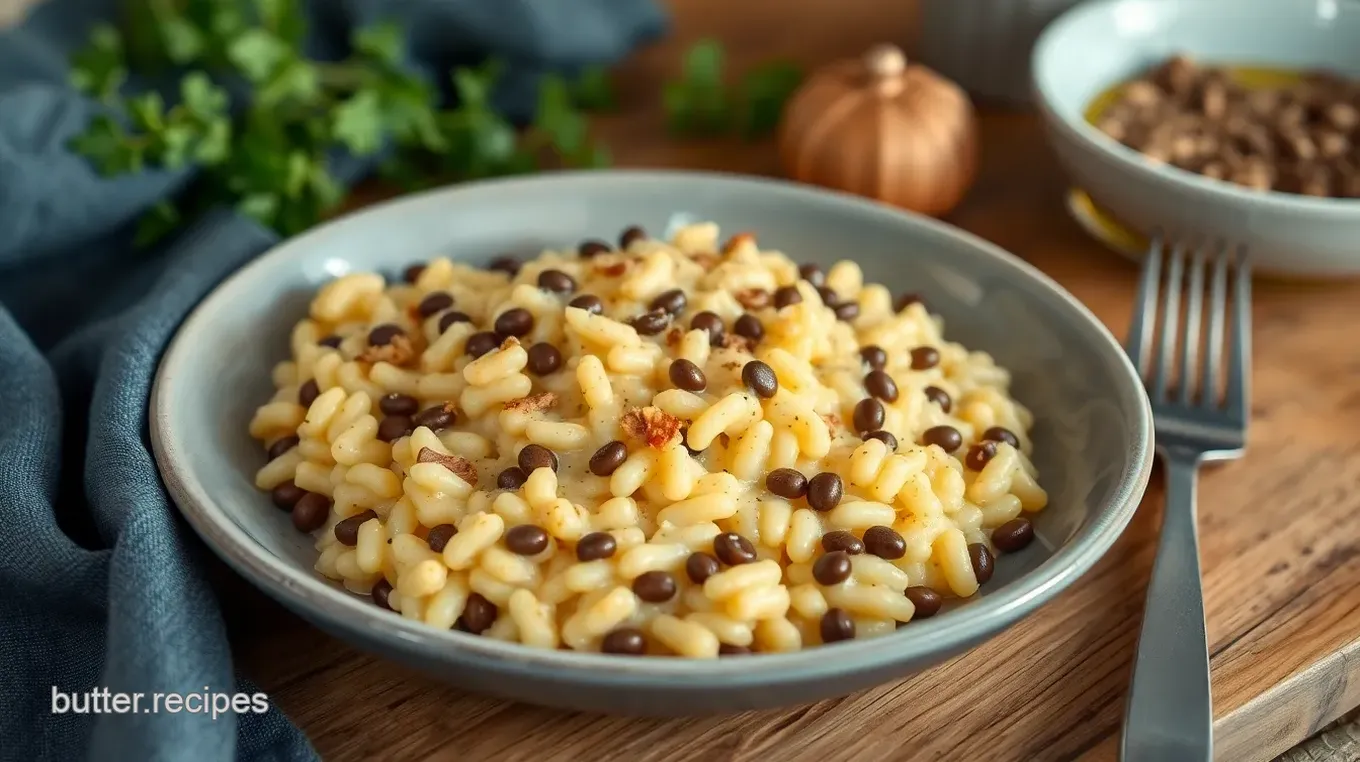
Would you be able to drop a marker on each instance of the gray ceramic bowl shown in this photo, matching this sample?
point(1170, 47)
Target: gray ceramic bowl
point(1093, 438)
point(1102, 42)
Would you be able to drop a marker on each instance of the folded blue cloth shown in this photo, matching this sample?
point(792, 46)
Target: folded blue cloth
point(101, 585)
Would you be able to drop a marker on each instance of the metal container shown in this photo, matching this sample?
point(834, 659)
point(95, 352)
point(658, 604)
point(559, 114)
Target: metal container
point(984, 45)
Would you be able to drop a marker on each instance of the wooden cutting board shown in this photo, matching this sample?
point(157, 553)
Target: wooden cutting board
point(1281, 549)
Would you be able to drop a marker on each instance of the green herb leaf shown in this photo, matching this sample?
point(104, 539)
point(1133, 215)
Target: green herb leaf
point(99, 69)
point(473, 85)
point(183, 41)
point(592, 90)
point(764, 93)
point(214, 145)
point(699, 103)
point(703, 64)
point(201, 97)
point(258, 54)
point(297, 80)
point(383, 43)
point(260, 207)
point(358, 123)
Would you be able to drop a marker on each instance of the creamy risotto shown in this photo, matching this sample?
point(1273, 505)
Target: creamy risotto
point(693, 448)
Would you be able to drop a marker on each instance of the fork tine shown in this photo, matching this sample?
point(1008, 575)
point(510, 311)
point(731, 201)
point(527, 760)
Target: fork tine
point(1239, 373)
point(1218, 310)
point(1145, 309)
point(1171, 308)
point(1190, 348)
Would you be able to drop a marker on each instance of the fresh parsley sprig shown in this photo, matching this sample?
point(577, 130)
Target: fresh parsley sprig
point(271, 156)
point(701, 103)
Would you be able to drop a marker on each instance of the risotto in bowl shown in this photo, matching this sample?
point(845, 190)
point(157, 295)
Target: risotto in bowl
point(651, 442)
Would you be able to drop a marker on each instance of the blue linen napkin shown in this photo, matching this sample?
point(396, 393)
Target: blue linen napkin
point(101, 584)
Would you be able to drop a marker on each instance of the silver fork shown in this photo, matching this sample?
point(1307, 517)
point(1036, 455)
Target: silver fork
point(1169, 715)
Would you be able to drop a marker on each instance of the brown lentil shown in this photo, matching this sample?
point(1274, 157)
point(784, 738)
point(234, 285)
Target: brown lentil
point(947, 438)
point(727, 649)
point(592, 248)
point(449, 318)
point(733, 549)
point(832, 568)
point(940, 397)
point(884, 542)
point(308, 392)
point(885, 437)
point(526, 540)
point(556, 281)
point(869, 415)
point(347, 530)
point(788, 483)
point(281, 446)
point(480, 343)
point(331, 341)
point(506, 264)
point(874, 356)
point(394, 427)
point(398, 404)
point(672, 302)
point(686, 375)
point(533, 456)
point(628, 641)
point(588, 302)
point(1001, 434)
point(384, 334)
point(926, 601)
point(760, 378)
point(310, 512)
point(846, 311)
point(842, 539)
point(435, 302)
point(748, 326)
point(478, 614)
point(515, 322)
point(596, 546)
point(511, 478)
point(829, 296)
point(837, 625)
point(709, 321)
point(1013, 536)
point(439, 536)
point(631, 235)
point(286, 495)
point(785, 296)
point(825, 491)
point(413, 272)
point(650, 323)
point(881, 385)
point(654, 586)
point(382, 590)
point(813, 274)
point(924, 358)
point(608, 458)
point(435, 418)
point(700, 566)
point(544, 359)
point(979, 455)
point(906, 300)
point(983, 563)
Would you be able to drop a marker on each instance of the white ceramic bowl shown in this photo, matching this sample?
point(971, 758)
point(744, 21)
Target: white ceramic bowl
point(1100, 43)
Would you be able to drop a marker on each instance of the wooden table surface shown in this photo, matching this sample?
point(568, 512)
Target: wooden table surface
point(1280, 550)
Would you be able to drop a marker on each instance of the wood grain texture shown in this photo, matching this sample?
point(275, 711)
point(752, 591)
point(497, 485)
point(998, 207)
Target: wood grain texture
point(1280, 554)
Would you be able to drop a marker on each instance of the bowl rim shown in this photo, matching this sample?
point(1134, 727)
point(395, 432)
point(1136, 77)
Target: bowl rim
point(1047, 48)
point(320, 600)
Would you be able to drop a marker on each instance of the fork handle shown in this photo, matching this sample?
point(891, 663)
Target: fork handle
point(1169, 715)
